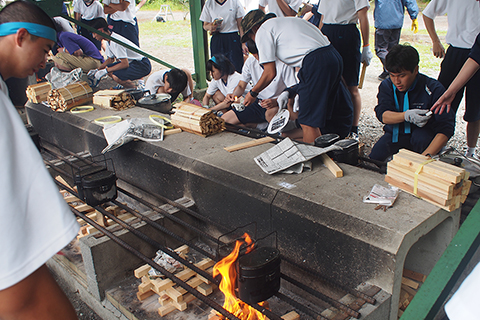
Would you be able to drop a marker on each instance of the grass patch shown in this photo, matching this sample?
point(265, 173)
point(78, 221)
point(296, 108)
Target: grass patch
point(170, 33)
point(175, 6)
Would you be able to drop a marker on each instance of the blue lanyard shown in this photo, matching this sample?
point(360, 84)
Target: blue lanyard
point(406, 106)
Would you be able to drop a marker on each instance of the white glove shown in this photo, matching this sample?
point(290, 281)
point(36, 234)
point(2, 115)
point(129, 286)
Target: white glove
point(417, 116)
point(296, 105)
point(92, 72)
point(100, 73)
point(367, 55)
point(282, 100)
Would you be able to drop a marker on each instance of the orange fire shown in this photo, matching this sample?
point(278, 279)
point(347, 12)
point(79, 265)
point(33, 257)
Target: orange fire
point(226, 267)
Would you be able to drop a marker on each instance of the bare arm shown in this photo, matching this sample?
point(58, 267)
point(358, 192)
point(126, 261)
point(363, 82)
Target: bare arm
point(122, 6)
point(119, 66)
point(189, 84)
point(436, 145)
point(209, 26)
point(38, 296)
point(445, 101)
point(364, 25)
point(106, 63)
point(269, 73)
point(238, 92)
point(287, 11)
point(108, 10)
point(77, 16)
point(438, 50)
point(393, 117)
point(206, 99)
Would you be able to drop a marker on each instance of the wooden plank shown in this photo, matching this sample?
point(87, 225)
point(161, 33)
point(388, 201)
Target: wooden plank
point(410, 283)
point(172, 131)
point(292, 315)
point(143, 296)
point(332, 166)
point(249, 144)
point(174, 294)
point(205, 263)
point(417, 276)
point(164, 310)
point(411, 291)
point(144, 287)
point(161, 285)
point(205, 289)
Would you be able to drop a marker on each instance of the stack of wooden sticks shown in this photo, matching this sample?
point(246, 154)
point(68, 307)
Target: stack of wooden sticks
point(38, 92)
point(114, 99)
point(195, 119)
point(72, 95)
point(437, 182)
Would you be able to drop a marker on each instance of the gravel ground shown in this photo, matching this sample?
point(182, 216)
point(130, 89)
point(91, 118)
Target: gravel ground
point(370, 129)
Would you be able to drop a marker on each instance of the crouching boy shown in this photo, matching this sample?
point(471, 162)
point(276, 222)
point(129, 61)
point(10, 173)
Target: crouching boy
point(132, 65)
point(403, 104)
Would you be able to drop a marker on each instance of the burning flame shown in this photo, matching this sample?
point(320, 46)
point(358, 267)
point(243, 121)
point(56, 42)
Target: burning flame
point(226, 267)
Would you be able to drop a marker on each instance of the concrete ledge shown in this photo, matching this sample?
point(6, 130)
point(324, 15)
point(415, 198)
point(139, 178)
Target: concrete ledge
point(321, 220)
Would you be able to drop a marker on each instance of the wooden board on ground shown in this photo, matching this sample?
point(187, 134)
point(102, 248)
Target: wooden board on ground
point(332, 166)
point(249, 144)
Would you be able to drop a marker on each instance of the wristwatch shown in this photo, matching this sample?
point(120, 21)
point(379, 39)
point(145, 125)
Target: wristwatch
point(253, 93)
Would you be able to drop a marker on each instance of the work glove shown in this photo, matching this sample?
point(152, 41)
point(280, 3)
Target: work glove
point(100, 73)
point(417, 117)
point(367, 55)
point(91, 73)
point(414, 25)
point(296, 105)
point(282, 100)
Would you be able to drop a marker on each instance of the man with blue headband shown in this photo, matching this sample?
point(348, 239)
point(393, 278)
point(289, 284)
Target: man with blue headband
point(35, 222)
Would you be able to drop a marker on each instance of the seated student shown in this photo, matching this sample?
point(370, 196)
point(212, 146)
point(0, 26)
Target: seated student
point(224, 80)
point(173, 82)
point(403, 101)
point(76, 51)
point(132, 66)
point(265, 106)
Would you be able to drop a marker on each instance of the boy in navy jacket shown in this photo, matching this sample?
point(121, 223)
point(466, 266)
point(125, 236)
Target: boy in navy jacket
point(403, 104)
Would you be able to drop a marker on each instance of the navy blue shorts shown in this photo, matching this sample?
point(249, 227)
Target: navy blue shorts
point(137, 69)
point(230, 46)
point(345, 38)
point(451, 66)
point(125, 29)
point(254, 113)
point(324, 100)
point(417, 141)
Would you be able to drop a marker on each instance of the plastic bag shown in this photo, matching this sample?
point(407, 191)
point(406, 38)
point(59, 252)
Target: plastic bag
point(60, 79)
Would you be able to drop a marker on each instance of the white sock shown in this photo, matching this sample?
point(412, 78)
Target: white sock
point(470, 151)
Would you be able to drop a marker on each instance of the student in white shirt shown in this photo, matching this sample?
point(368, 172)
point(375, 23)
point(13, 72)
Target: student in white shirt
point(121, 16)
point(224, 81)
point(222, 19)
point(340, 18)
point(173, 82)
point(85, 11)
point(35, 221)
point(324, 102)
point(266, 106)
point(130, 65)
point(463, 27)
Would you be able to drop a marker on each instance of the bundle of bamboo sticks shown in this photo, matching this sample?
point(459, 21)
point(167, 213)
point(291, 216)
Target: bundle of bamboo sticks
point(437, 182)
point(72, 95)
point(195, 119)
point(38, 92)
point(114, 99)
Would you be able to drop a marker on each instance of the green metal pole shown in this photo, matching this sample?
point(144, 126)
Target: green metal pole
point(439, 283)
point(198, 39)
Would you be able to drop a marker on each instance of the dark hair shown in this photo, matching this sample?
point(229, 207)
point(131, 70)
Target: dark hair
point(25, 11)
point(252, 47)
point(99, 23)
point(221, 63)
point(177, 79)
point(402, 58)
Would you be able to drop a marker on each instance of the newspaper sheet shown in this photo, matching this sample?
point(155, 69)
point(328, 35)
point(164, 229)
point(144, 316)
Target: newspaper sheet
point(288, 153)
point(120, 133)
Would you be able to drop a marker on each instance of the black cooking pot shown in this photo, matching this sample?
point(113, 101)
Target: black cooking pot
point(258, 274)
point(158, 102)
point(136, 94)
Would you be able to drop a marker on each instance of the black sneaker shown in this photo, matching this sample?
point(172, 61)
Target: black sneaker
point(384, 75)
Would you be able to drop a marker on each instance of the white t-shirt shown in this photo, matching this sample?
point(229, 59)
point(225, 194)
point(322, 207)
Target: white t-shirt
point(463, 304)
point(252, 71)
point(230, 11)
point(341, 11)
point(95, 10)
point(64, 24)
point(275, 8)
point(115, 50)
point(289, 39)
point(463, 20)
point(127, 15)
point(155, 81)
point(225, 88)
point(35, 221)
